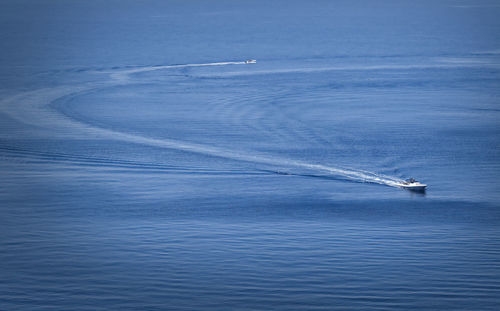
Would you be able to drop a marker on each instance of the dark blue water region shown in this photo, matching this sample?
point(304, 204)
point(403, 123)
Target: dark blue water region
point(125, 246)
point(226, 265)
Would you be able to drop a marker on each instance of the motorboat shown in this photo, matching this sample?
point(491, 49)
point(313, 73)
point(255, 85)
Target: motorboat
point(250, 61)
point(412, 184)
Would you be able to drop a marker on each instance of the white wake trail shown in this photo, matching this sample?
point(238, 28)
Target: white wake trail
point(124, 76)
point(34, 108)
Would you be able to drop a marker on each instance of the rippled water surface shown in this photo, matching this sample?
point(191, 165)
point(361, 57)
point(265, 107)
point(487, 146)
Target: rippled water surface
point(145, 166)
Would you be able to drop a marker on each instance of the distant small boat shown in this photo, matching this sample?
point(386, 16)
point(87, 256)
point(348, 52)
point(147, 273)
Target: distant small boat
point(250, 61)
point(412, 184)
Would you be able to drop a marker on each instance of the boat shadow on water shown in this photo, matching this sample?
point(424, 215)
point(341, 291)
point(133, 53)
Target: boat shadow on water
point(415, 192)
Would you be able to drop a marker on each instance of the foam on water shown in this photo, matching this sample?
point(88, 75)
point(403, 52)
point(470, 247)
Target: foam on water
point(34, 108)
point(442, 63)
point(124, 75)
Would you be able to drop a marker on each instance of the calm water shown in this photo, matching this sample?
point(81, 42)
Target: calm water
point(145, 166)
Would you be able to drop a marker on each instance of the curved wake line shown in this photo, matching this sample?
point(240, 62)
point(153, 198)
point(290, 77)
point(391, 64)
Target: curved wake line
point(262, 159)
point(448, 64)
point(33, 108)
point(124, 76)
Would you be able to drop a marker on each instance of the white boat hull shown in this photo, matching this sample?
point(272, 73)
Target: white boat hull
point(414, 187)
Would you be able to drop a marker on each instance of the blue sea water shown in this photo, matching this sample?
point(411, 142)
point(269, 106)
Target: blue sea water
point(145, 166)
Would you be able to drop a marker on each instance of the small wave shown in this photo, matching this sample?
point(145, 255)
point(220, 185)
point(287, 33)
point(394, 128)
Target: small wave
point(116, 163)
